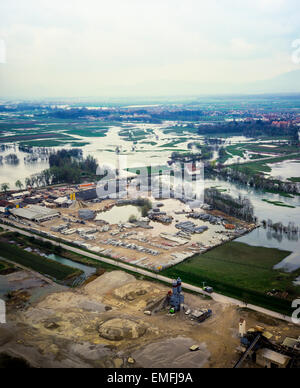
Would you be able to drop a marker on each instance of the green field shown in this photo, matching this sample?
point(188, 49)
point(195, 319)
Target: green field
point(240, 271)
point(294, 179)
point(174, 143)
point(278, 203)
point(37, 263)
point(4, 266)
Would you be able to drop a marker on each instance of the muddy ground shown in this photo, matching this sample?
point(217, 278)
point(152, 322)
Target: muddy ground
point(103, 325)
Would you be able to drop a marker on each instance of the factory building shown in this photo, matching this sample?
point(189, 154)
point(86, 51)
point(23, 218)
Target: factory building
point(87, 195)
point(267, 358)
point(35, 213)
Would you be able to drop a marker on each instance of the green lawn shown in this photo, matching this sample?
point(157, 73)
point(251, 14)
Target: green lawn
point(240, 271)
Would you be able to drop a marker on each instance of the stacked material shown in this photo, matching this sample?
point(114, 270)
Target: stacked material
point(86, 214)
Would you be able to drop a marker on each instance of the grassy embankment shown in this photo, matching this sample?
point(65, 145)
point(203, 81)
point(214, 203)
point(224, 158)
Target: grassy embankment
point(50, 248)
point(243, 272)
point(37, 263)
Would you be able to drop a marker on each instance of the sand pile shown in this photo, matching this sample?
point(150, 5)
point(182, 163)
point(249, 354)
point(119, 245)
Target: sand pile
point(132, 291)
point(5, 336)
point(172, 353)
point(107, 282)
point(117, 329)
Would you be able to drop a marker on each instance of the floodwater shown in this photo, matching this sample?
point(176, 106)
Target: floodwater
point(89, 271)
point(119, 214)
point(264, 211)
point(11, 173)
point(155, 149)
point(291, 263)
point(104, 150)
point(285, 170)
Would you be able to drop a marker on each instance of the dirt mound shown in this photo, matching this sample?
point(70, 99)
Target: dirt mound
point(107, 282)
point(172, 353)
point(5, 336)
point(132, 291)
point(119, 329)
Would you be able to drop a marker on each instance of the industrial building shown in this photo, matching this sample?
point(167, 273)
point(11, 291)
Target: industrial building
point(87, 195)
point(35, 213)
point(267, 358)
point(20, 195)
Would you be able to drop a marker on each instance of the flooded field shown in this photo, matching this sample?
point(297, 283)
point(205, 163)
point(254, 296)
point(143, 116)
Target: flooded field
point(119, 214)
point(146, 144)
point(285, 170)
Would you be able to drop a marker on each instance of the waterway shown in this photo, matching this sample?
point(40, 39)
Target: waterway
point(88, 271)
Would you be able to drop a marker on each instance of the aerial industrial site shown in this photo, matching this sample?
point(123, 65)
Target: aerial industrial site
point(168, 235)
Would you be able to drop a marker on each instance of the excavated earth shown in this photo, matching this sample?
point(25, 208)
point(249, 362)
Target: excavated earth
point(103, 325)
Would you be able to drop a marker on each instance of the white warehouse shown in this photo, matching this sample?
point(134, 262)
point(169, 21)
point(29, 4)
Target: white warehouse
point(35, 213)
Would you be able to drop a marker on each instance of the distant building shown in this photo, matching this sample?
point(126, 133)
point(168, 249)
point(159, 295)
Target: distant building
point(87, 195)
point(20, 195)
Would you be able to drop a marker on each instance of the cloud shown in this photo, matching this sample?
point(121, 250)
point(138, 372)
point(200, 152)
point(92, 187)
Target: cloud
point(2, 52)
point(240, 45)
point(84, 47)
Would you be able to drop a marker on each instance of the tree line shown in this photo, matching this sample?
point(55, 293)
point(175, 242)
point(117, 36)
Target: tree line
point(240, 207)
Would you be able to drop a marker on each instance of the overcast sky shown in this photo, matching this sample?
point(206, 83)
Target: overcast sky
point(73, 48)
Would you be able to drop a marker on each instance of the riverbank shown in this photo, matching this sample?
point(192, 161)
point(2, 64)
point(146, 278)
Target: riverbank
point(43, 265)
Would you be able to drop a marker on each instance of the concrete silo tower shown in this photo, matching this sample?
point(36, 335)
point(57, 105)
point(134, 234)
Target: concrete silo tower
point(177, 298)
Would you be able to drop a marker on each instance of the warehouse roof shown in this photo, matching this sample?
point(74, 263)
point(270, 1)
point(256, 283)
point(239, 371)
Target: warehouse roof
point(87, 195)
point(34, 213)
point(274, 357)
point(22, 194)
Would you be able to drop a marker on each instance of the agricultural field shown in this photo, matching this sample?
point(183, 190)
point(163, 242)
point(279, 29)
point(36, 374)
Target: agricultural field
point(48, 132)
point(135, 134)
point(243, 272)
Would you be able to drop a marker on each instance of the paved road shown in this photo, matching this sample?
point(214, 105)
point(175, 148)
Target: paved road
point(217, 297)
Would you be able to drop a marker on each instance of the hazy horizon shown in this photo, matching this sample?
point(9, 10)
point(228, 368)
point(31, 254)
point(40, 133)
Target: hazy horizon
point(138, 48)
